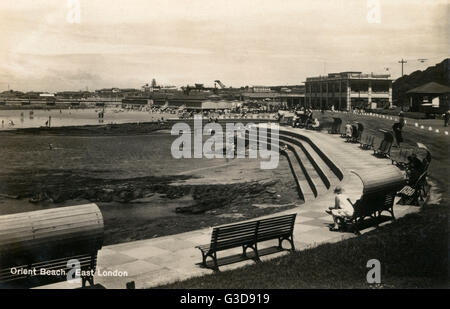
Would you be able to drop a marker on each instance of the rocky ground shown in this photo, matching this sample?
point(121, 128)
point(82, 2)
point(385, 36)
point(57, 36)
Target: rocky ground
point(141, 194)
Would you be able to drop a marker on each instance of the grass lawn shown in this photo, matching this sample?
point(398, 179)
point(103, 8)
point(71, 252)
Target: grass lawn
point(413, 253)
point(413, 250)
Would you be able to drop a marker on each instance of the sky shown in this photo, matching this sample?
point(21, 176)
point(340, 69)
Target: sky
point(44, 46)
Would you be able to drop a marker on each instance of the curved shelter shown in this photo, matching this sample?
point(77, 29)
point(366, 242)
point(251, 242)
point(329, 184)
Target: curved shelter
point(379, 189)
point(381, 180)
point(50, 239)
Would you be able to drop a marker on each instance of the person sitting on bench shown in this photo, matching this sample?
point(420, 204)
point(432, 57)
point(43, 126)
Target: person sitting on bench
point(342, 208)
point(348, 130)
point(315, 125)
point(309, 119)
point(414, 169)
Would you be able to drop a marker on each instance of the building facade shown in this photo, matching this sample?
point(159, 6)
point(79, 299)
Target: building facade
point(430, 98)
point(348, 90)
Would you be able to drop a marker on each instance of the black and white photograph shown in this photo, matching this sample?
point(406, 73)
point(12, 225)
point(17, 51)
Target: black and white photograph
point(204, 146)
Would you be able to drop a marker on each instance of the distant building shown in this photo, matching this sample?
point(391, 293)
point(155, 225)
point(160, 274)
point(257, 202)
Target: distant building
point(429, 98)
point(117, 92)
point(47, 95)
point(74, 94)
point(261, 89)
point(348, 90)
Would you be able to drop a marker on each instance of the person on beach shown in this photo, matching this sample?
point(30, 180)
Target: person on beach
point(342, 208)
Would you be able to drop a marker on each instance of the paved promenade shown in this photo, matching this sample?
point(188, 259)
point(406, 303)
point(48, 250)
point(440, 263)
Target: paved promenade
point(166, 259)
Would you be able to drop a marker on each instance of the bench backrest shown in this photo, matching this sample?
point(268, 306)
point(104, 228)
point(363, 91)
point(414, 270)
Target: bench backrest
point(364, 139)
point(355, 131)
point(335, 127)
point(234, 235)
point(276, 227)
point(360, 128)
point(385, 146)
point(370, 203)
point(369, 140)
point(247, 233)
point(421, 180)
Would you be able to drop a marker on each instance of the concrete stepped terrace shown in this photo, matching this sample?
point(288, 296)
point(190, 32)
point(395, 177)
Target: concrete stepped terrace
point(313, 171)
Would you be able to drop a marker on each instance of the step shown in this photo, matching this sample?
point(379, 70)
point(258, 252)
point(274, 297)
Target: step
point(305, 192)
point(329, 174)
point(315, 181)
point(319, 172)
point(305, 139)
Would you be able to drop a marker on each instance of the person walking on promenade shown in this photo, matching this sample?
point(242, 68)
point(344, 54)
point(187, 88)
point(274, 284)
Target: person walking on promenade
point(401, 117)
point(446, 116)
point(397, 128)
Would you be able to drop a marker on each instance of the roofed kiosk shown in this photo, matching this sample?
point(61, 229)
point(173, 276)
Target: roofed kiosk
point(430, 88)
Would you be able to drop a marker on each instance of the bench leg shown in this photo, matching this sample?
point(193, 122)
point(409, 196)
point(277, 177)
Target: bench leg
point(355, 227)
point(376, 217)
point(203, 259)
point(216, 266)
point(244, 251)
point(280, 243)
point(255, 250)
point(214, 258)
point(291, 241)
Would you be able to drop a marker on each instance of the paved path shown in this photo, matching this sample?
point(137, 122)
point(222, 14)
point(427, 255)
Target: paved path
point(166, 259)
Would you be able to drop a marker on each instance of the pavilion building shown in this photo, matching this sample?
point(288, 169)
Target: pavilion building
point(349, 90)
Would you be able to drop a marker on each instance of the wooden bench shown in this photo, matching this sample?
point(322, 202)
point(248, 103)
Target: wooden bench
point(413, 195)
point(52, 240)
point(384, 149)
point(355, 133)
point(379, 189)
point(400, 158)
point(247, 235)
point(367, 142)
point(300, 121)
point(286, 121)
point(358, 136)
point(372, 206)
point(335, 127)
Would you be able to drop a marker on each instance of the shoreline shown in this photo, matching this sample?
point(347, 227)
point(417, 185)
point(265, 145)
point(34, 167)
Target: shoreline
point(130, 128)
